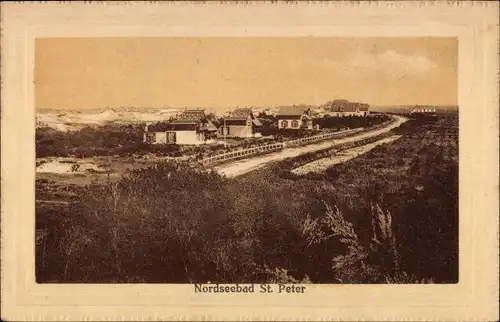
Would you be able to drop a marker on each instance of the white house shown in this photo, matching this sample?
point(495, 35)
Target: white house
point(295, 117)
point(364, 110)
point(242, 123)
point(191, 128)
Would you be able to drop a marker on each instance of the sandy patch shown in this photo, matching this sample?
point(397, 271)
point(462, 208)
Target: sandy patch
point(67, 167)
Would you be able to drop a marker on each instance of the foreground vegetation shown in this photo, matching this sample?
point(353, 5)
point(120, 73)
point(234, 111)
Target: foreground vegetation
point(390, 215)
point(416, 180)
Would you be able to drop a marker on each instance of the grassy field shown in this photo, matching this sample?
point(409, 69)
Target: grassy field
point(390, 215)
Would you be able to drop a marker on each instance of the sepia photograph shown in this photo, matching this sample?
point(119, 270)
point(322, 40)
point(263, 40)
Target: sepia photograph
point(324, 160)
point(249, 161)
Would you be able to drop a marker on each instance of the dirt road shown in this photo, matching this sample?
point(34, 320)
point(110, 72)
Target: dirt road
point(322, 164)
point(240, 167)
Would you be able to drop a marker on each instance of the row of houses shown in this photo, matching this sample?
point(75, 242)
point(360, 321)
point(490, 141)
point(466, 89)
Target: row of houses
point(193, 127)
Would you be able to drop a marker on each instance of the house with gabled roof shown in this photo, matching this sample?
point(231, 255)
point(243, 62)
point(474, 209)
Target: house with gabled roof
point(241, 123)
point(190, 128)
point(295, 117)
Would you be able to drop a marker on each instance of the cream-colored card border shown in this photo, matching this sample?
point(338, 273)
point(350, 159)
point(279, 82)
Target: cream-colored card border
point(475, 25)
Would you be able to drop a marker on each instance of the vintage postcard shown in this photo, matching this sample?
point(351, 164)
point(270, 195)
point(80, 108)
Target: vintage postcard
point(250, 161)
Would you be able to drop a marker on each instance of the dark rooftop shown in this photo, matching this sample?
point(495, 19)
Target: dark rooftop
point(162, 127)
point(241, 113)
point(192, 115)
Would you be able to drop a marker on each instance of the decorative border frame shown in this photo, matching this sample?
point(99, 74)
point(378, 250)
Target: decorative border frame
point(475, 25)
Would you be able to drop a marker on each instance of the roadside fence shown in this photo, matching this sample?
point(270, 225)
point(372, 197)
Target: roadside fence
point(262, 149)
point(320, 137)
point(272, 147)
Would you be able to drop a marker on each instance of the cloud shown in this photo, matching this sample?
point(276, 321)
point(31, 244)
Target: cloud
point(389, 62)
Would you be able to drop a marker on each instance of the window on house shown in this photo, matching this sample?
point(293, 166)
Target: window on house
point(284, 124)
point(150, 137)
point(295, 124)
point(171, 137)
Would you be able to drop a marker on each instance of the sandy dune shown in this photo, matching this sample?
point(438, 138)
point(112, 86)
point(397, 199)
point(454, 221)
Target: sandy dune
point(74, 120)
point(240, 167)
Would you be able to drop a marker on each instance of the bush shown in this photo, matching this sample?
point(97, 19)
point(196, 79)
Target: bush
point(103, 140)
point(338, 123)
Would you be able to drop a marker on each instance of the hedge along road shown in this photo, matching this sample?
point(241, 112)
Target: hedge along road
point(239, 167)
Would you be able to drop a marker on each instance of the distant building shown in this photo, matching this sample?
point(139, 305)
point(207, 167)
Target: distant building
point(191, 128)
point(242, 123)
point(423, 110)
point(342, 108)
point(295, 117)
point(351, 109)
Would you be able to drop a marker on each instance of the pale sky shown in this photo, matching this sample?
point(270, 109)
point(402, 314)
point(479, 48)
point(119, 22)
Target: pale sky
point(89, 73)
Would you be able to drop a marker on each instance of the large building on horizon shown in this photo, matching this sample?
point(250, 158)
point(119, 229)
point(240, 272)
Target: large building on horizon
point(343, 108)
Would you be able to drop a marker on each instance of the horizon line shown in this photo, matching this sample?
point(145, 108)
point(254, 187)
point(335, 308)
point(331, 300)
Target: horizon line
point(233, 107)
